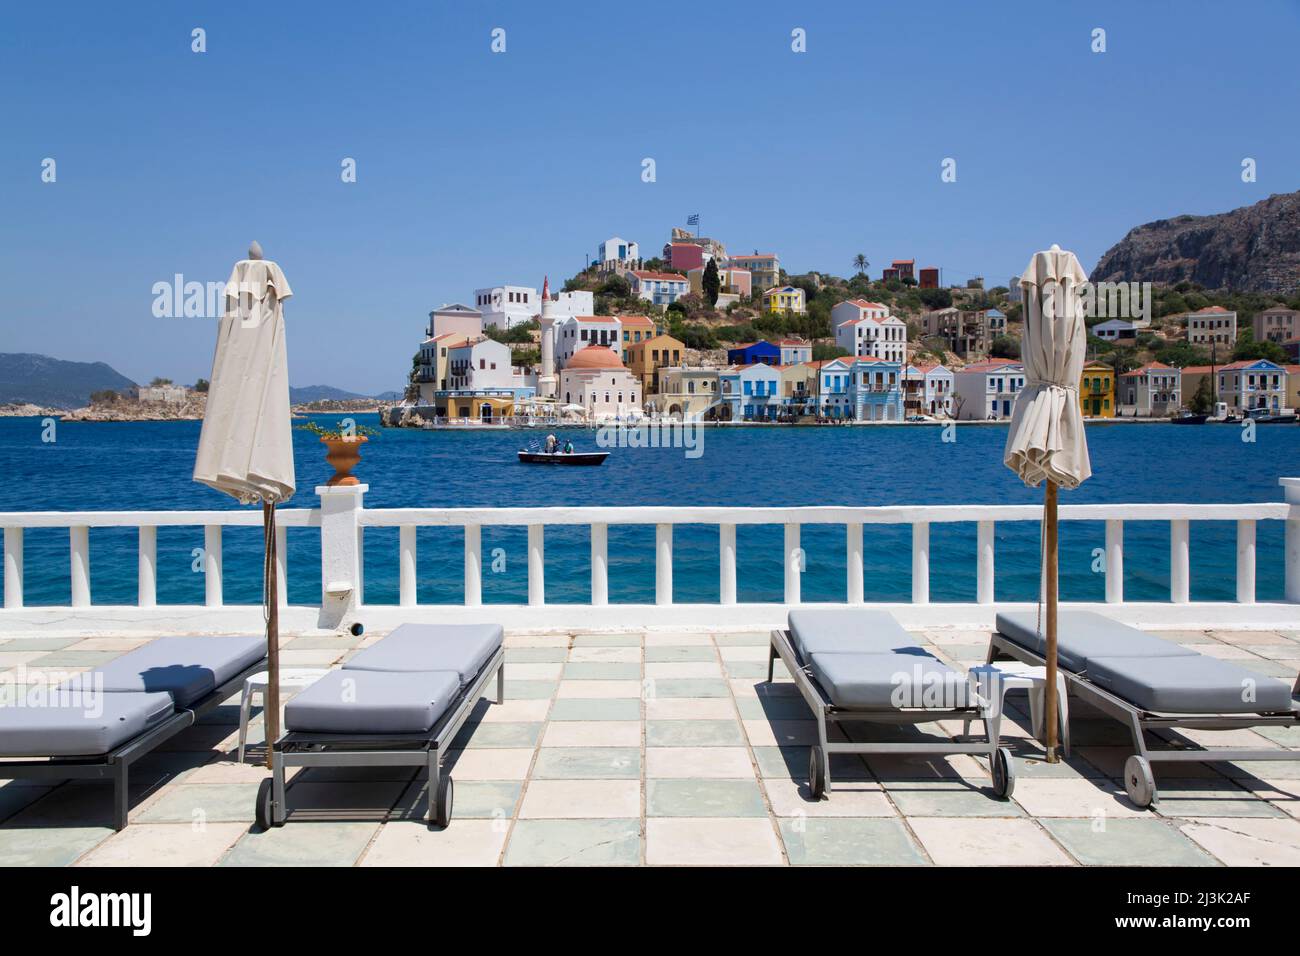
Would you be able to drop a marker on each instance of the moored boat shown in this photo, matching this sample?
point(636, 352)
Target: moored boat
point(561, 458)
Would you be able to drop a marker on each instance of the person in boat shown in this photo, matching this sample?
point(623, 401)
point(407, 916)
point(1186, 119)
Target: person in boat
point(568, 447)
point(552, 443)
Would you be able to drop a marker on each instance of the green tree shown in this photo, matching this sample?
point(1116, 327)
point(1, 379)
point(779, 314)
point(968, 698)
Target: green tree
point(201, 385)
point(860, 263)
point(1005, 346)
point(936, 298)
point(711, 283)
point(1202, 401)
point(824, 351)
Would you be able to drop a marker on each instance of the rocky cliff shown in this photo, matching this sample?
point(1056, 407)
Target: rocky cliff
point(1251, 249)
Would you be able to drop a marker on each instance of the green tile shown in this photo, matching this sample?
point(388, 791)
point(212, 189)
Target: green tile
point(574, 843)
point(693, 733)
point(742, 669)
point(42, 643)
point(792, 762)
point(303, 844)
point(199, 802)
point(48, 846)
point(704, 798)
point(848, 841)
point(530, 689)
point(677, 687)
point(949, 798)
point(607, 640)
point(1125, 842)
point(1209, 798)
point(1261, 769)
point(503, 734)
point(685, 652)
point(536, 655)
point(583, 670)
point(473, 799)
point(744, 639)
point(588, 763)
point(611, 708)
point(1286, 736)
point(74, 658)
point(1033, 766)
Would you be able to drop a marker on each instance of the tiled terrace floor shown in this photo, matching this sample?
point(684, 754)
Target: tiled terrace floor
point(658, 748)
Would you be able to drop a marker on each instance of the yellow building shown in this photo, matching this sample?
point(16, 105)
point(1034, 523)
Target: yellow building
point(1097, 391)
point(782, 299)
point(646, 357)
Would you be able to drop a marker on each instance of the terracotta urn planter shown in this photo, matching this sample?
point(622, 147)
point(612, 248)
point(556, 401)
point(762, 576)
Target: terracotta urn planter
point(343, 454)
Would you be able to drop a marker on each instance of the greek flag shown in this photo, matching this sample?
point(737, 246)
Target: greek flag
point(693, 220)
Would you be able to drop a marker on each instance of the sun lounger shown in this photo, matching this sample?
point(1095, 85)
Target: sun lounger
point(1149, 683)
point(97, 724)
point(398, 703)
point(854, 664)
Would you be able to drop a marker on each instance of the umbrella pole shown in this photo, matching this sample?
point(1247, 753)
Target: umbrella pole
point(1050, 547)
point(271, 710)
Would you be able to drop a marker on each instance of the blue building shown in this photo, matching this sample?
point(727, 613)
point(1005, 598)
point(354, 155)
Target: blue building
point(751, 393)
point(863, 390)
point(755, 353)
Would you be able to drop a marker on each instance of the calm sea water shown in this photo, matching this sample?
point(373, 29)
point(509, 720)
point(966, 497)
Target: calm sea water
point(137, 466)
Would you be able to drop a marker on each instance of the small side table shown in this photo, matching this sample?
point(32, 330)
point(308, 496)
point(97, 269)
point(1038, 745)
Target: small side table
point(991, 679)
point(292, 679)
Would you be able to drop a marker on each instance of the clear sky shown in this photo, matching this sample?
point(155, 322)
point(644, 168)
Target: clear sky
point(477, 168)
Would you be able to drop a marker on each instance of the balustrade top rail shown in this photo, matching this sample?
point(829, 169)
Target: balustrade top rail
point(285, 517)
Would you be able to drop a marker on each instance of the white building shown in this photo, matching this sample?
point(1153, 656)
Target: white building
point(1215, 325)
point(867, 330)
point(596, 379)
point(928, 389)
point(987, 390)
point(1115, 330)
point(617, 250)
point(661, 288)
point(574, 303)
point(575, 333)
point(1152, 391)
point(505, 306)
point(483, 364)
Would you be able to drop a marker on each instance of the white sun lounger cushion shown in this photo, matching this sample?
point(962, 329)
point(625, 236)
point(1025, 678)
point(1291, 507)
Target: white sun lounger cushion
point(373, 702)
point(1189, 685)
point(463, 648)
point(889, 681)
point(1083, 635)
point(846, 630)
point(81, 728)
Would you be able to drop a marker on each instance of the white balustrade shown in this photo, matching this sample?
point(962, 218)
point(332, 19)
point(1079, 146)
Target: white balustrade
point(343, 520)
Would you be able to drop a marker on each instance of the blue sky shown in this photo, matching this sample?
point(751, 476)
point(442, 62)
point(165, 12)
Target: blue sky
point(476, 168)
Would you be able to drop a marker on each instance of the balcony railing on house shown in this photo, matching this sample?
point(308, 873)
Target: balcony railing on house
point(342, 520)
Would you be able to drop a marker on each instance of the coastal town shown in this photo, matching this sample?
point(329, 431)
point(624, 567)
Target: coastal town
point(702, 334)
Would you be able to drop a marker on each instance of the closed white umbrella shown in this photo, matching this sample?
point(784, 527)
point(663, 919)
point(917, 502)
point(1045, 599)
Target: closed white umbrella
point(1046, 440)
point(246, 445)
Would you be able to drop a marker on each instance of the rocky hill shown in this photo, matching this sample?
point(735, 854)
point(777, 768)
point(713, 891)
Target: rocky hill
point(41, 380)
point(1251, 249)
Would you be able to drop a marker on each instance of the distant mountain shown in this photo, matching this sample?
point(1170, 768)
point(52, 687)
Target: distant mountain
point(54, 383)
point(321, 393)
point(390, 396)
point(1251, 249)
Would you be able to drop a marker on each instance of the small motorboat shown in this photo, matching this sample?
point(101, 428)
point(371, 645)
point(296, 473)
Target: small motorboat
point(1189, 420)
point(561, 458)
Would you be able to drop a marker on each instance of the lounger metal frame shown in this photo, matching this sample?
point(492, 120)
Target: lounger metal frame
point(826, 713)
point(1139, 720)
point(116, 764)
point(301, 749)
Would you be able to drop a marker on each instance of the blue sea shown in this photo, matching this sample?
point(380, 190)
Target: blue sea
point(146, 466)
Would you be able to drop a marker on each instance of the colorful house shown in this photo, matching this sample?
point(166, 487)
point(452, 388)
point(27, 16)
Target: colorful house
point(1097, 390)
point(751, 392)
point(660, 288)
point(645, 358)
point(636, 328)
point(867, 330)
point(783, 299)
point(754, 352)
point(686, 392)
point(927, 389)
point(765, 267)
point(862, 390)
point(1248, 385)
point(986, 391)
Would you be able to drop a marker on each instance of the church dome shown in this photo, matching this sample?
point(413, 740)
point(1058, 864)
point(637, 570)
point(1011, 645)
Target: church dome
point(594, 356)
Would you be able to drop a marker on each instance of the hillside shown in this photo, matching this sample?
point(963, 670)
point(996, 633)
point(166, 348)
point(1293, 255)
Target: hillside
point(41, 380)
point(1251, 249)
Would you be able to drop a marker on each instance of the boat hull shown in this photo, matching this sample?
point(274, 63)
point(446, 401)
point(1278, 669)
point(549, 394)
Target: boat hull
point(559, 458)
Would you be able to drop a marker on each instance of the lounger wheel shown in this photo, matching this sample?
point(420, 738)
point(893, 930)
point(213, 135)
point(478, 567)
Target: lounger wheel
point(1139, 783)
point(443, 801)
point(1004, 773)
point(816, 773)
point(263, 813)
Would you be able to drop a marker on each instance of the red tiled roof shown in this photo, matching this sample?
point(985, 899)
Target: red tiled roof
point(662, 276)
point(1150, 367)
point(1218, 309)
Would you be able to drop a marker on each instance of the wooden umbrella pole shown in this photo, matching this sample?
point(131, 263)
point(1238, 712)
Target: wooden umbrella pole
point(271, 709)
point(1050, 547)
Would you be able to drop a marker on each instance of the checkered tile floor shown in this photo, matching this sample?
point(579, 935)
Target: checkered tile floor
point(655, 748)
